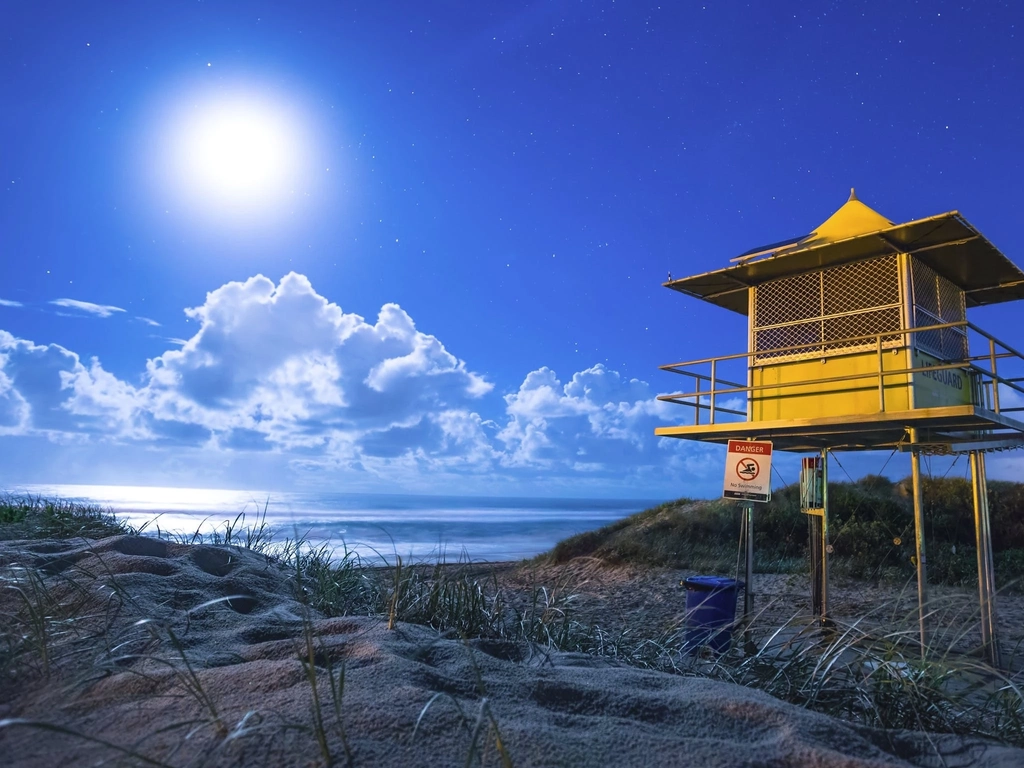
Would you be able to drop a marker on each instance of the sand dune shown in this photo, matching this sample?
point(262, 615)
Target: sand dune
point(222, 683)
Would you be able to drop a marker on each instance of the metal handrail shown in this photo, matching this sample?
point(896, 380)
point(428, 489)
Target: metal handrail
point(677, 397)
point(986, 385)
point(702, 377)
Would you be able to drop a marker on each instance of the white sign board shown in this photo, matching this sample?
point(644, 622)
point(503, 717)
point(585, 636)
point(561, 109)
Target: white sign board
point(748, 470)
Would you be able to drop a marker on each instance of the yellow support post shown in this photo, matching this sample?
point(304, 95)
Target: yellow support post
point(986, 571)
point(825, 543)
point(922, 570)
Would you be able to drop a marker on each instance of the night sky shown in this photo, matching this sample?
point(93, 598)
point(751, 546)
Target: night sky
point(420, 246)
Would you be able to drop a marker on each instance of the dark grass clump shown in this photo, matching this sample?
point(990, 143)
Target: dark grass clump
point(35, 517)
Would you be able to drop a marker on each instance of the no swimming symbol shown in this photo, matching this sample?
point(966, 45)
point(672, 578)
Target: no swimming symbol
point(747, 469)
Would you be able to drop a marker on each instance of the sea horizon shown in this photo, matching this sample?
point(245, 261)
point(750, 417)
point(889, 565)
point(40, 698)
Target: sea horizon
point(375, 526)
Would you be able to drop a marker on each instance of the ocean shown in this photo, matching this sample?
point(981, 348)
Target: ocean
point(375, 526)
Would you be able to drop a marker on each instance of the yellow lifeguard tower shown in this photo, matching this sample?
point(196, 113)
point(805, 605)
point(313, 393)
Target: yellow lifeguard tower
point(859, 340)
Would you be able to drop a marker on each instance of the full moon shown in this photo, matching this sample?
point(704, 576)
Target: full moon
point(237, 150)
point(236, 155)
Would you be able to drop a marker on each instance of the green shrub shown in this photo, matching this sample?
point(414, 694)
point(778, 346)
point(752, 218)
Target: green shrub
point(871, 525)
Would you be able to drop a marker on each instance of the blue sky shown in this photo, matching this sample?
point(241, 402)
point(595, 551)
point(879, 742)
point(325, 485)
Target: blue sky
point(432, 259)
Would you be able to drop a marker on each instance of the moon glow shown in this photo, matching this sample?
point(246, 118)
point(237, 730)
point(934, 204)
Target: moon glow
point(230, 156)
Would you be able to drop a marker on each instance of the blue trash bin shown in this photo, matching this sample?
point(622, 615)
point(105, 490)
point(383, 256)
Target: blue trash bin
point(710, 612)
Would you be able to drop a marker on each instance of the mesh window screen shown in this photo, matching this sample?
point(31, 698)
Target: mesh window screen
point(937, 301)
point(860, 286)
point(824, 307)
point(860, 324)
point(788, 300)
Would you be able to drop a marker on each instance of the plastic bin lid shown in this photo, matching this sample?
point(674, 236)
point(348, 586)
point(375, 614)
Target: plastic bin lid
point(710, 583)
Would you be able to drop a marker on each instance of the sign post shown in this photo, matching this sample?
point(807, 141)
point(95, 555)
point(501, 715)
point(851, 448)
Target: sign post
point(748, 478)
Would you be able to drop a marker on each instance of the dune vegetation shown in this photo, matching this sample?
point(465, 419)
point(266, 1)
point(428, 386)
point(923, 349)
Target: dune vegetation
point(871, 525)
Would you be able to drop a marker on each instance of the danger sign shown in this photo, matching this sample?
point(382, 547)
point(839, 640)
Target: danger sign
point(748, 470)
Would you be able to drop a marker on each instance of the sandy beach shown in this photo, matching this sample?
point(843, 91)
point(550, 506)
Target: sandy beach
point(201, 655)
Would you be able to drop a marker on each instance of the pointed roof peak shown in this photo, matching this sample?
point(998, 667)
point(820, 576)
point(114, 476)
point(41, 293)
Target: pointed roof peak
point(853, 218)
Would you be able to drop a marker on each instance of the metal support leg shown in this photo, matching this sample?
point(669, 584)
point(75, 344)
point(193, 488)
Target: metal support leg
point(979, 538)
point(922, 570)
point(986, 570)
point(826, 544)
point(817, 561)
point(748, 590)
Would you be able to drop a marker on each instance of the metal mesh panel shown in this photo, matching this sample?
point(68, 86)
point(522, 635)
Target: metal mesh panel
point(863, 285)
point(787, 300)
point(823, 307)
point(930, 341)
point(861, 324)
point(954, 344)
point(952, 303)
point(938, 301)
point(787, 336)
point(926, 290)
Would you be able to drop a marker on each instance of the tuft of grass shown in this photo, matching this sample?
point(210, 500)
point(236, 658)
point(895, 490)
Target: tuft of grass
point(28, 627)
point(336, 686)
point(316, 562)
point(36, 517)
point(61, 623)
point(881, 679)
point(42, 618)
point(485, 719)
point(257, 536)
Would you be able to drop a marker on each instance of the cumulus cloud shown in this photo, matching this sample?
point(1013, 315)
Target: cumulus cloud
point(100, 310)
point(53, 393)
point(276, 369)
point(597, 420)
point(10, 303)
point(271, 367)
point(14, 409)
point(284, 361)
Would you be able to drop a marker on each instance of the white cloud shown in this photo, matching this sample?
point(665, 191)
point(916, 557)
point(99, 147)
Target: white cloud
point(9, 303)
point(286, 362)
point(54, 394)
point(277, 370)
point(14, 410)
point(100, 310)
point(147, 321)
point(598, 421)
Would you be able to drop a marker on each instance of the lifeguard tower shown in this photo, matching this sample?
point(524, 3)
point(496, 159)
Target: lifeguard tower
point(858, 339)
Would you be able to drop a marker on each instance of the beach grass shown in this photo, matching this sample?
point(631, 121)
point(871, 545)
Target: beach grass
point(37, 517)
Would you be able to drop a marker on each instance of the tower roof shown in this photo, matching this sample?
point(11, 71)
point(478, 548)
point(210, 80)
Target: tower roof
point(852, 219)
point(947, 243)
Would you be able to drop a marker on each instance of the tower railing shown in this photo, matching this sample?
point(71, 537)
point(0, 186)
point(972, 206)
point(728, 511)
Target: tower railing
point(989, 386)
